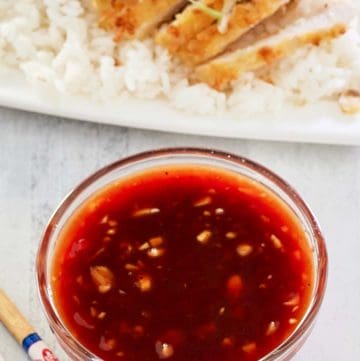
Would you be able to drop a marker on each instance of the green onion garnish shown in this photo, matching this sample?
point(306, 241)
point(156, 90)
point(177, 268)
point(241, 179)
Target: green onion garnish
point(207, 10)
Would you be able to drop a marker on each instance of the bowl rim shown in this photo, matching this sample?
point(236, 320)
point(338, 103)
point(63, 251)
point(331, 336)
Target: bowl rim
point(321, 271)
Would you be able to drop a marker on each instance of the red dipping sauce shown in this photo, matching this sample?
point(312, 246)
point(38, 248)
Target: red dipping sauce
point(182, 263)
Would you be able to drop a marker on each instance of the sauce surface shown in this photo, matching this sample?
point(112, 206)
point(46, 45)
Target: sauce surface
point(185, 264)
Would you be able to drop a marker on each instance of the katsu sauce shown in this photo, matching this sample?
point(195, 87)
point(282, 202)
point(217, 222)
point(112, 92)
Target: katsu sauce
point(182, 263)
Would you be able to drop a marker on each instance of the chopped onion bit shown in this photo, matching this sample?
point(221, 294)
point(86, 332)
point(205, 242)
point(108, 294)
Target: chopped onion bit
point(244, 249)
point(204, 201)
point(293, 300)
point(164, 350)
point(102, 277)
point(272, 328)
point(145, 212)
point(276, 241)
point(101, 315)
point(144, 246)
point(227, 342)
point(219, 211)
point(156, 241)
point(204, 236)
point(107, 344)
point(131, 267)
point(249, 347)
point(144, 283)
point(230, 235)
point(155, 252)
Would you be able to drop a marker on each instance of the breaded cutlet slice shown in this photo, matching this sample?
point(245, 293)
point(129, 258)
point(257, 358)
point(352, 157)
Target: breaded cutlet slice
point(131, 19)
point(195, 37)
point(328, 24)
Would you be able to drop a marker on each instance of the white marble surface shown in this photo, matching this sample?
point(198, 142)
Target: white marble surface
point(42, 158)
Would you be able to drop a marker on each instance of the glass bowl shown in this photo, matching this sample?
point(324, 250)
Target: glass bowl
point(188, 156)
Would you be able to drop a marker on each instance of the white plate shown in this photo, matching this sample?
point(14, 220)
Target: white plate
point(321, 123)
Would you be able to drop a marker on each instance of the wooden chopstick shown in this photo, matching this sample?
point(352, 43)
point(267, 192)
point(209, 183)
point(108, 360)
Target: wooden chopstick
point(22, 331)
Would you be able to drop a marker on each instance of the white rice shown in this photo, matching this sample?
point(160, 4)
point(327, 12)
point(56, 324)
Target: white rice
point(57, 43)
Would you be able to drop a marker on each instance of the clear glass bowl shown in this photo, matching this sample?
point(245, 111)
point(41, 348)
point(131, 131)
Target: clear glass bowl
point(187, 156)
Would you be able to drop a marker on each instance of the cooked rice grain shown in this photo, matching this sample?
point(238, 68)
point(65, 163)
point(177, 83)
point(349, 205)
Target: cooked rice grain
point(57, 43)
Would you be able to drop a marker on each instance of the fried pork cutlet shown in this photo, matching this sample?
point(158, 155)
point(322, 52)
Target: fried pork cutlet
point(287, 15)
point(135, 18)
point(194, 36)
point(330, 23)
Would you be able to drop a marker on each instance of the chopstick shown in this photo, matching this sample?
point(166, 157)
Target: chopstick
point(22, 331)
